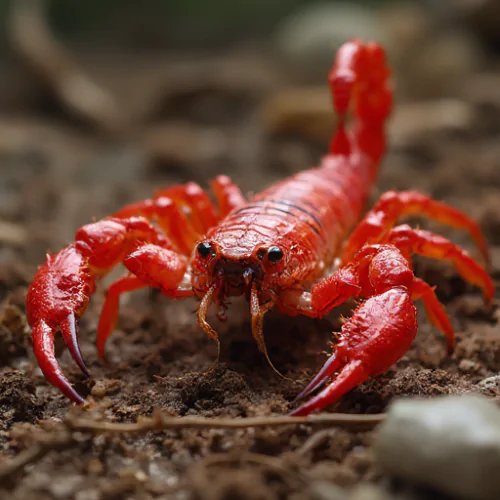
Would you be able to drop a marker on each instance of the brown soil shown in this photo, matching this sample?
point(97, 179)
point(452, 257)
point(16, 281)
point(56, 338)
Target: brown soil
point(54, 179)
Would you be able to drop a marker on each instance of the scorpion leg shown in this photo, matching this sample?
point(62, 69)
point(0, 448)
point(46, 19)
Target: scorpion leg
point(151, 266)
point(169, 216)
point(227, 193)
point(186, 212)
point(425, 243)
point(195, 203)
point(393, 205)
point(434, 309)
point(109, 312)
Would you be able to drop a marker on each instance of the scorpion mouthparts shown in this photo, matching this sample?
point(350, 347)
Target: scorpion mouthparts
point(248, 276)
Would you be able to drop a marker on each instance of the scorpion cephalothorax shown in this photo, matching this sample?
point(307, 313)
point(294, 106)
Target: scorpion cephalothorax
point(286, 248)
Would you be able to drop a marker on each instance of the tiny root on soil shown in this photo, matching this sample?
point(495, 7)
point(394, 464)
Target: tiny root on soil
point(160, 421)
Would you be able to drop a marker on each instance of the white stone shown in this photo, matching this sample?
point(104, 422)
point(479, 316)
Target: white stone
point(450, 443)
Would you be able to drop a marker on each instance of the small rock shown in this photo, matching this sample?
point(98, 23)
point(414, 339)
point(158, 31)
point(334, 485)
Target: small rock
point(99, 390)
point(451, 444)
point(369, 492)
point(324, 490)
point(468, 366)
point(104, 388)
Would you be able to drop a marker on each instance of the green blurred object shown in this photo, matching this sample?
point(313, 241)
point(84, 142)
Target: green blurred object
point(159, 22)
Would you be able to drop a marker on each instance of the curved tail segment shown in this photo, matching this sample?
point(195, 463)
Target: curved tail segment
point(359, 82)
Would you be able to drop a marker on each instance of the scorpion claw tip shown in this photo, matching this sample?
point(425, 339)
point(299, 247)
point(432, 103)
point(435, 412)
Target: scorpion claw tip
point(74, 396)
point(298, 412)
point(311, 387)
point(69, 329)
point(43, 346)
point(319, 380)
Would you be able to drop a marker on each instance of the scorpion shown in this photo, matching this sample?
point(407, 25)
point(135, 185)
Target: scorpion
point(295, 247)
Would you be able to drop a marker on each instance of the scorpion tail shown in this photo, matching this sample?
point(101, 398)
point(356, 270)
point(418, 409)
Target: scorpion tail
point(359, 82)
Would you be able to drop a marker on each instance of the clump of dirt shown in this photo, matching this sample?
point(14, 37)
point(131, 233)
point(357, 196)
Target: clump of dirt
point(13, 333)
point(18, 399)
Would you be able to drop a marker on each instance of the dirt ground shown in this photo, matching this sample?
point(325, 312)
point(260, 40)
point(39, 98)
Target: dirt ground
point(56, 174)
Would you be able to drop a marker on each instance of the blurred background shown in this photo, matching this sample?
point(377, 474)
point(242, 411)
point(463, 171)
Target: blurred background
point(102, 101)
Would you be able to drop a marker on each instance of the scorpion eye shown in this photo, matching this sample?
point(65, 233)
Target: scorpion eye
point(204, 249)
point(274, 254)
point(261, 254)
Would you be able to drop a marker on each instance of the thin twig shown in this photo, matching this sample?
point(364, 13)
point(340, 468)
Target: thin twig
point(316, 440)
point(62, 439)
point(160, 421)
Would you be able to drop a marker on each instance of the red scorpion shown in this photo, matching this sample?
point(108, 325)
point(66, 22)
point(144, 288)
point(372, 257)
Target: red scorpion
point(283, 248)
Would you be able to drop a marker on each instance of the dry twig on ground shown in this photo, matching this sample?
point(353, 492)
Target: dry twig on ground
point(63, 437)
point(160, 421)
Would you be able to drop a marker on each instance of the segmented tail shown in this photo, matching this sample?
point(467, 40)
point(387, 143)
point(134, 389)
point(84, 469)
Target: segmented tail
point(359, 81)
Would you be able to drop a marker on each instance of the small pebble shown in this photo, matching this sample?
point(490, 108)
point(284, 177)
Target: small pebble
point(99, 390)
point(467, 366)
point(369, 492)
point(450, 443)
point(324, 490)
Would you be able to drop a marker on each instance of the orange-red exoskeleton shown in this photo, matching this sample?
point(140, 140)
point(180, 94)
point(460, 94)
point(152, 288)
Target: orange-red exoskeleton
point(294, 247)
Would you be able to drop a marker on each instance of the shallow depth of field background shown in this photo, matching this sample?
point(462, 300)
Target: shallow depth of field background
point(102, 102)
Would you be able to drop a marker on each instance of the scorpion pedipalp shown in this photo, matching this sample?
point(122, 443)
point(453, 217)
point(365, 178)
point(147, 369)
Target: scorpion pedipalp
point(59, 293)
point(69, 330)
point(43, 345)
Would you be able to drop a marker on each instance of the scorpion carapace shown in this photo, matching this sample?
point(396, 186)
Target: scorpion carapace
point(285, 248)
